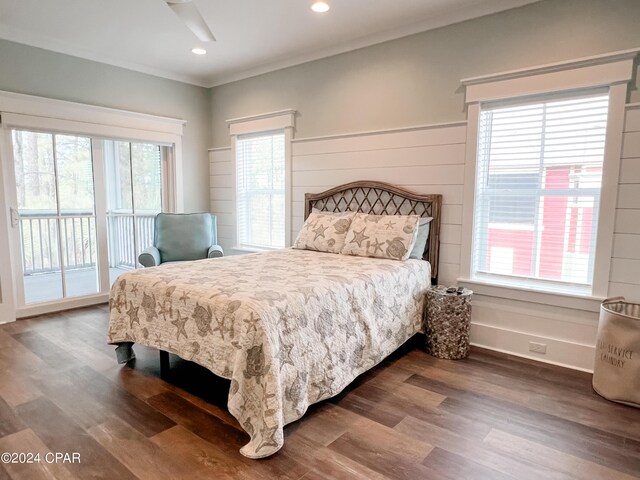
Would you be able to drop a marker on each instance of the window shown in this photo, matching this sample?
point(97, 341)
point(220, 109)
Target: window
point(260, 190)
point(548, 240)
point(538, 179)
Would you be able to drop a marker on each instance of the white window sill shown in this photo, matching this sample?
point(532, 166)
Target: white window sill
point(574, 301)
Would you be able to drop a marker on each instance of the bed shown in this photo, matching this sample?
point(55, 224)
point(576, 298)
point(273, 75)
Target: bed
point(290, 327)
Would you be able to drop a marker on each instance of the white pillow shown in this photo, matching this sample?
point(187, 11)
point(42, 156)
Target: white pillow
point(424, 225)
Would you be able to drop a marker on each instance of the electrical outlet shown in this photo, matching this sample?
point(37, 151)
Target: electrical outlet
point(538, 347)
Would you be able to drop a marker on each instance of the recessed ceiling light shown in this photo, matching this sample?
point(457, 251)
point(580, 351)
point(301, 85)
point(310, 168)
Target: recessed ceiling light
point(199, 51)
point(320, 7)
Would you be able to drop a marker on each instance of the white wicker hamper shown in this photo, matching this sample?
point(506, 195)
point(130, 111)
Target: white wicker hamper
point(616, 373)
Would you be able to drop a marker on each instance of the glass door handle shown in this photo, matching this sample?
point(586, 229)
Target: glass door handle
point(15, 217)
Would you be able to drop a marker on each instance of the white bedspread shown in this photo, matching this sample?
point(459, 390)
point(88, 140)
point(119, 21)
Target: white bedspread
point(289, 328)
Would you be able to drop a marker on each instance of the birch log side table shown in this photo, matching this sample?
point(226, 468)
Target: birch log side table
point(448, 321)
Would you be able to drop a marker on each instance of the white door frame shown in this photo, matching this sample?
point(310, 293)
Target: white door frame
point(7, 296)
point(59, 116)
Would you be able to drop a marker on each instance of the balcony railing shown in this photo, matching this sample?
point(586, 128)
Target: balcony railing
point(121, 237)
point(40, 241)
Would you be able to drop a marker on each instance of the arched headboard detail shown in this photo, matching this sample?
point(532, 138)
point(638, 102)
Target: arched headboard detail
point(381, 198)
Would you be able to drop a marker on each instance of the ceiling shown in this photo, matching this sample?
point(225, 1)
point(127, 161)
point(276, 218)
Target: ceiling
point(253, 36)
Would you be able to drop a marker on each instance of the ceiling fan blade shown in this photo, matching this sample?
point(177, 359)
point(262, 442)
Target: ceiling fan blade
point(189, 14)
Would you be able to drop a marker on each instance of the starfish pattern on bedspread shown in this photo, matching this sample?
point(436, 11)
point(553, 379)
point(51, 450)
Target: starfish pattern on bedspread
point(319, 322)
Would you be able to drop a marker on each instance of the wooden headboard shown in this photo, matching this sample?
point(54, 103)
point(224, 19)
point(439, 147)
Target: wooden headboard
point(380, 198)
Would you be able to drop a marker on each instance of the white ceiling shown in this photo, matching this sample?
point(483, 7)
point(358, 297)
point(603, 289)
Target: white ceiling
point(254, 36)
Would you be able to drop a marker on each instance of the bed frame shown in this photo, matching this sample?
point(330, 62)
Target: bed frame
point(380, 198)
point(376, 198)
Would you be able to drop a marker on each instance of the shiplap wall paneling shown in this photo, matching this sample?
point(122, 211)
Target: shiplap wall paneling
point(222, 194)
point(426, 160)
point(625, 261)
point(431, 160)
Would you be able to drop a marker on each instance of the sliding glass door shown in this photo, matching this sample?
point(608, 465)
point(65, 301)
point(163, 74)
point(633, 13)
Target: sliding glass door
point(134, 198)
point(56, 211)
point(85, 210)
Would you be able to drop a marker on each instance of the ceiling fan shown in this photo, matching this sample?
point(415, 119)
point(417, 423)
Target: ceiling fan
point(188, 12)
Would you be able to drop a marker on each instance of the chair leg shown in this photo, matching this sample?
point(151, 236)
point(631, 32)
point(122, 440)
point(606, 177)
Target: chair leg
point(165, 365)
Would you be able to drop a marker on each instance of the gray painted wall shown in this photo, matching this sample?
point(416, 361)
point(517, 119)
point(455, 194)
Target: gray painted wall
point(410, 81)
point(34, 71)
point(415, 80)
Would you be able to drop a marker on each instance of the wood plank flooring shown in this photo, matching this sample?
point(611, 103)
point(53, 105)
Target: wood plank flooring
point(489, 417)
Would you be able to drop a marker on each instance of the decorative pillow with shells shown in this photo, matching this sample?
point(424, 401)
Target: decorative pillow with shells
point(324, 232)
point(381, 236)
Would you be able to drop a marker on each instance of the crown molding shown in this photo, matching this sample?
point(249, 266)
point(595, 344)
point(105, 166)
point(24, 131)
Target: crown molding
point(43, 42)
point(486, 7)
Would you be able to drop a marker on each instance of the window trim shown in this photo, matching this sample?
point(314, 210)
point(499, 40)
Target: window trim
point(60, 116)
point(282, 120)
point(614, 71)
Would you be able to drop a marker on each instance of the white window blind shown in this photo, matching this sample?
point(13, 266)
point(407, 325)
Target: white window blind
point(260, 190)
point(539, 172)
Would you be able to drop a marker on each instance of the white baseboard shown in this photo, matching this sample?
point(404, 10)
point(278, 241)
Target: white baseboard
point(559, 352)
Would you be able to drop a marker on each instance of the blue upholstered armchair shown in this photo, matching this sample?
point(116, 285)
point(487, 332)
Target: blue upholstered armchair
point(181, 237)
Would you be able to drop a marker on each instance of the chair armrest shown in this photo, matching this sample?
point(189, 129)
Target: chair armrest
point(150, 257)
point(215, 251)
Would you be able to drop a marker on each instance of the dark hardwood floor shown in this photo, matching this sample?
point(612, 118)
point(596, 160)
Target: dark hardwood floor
point(414, 417)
